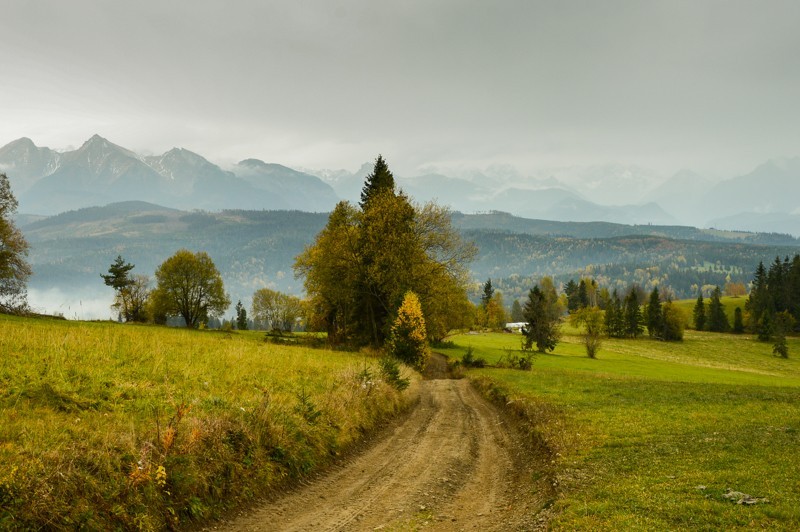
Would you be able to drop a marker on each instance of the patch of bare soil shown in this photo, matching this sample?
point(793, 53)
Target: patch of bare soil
point(452, 464)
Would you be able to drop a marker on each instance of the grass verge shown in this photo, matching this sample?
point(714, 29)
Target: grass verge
point(654, 435)
point(107, 426)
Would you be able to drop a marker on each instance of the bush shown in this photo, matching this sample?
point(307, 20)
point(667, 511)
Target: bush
point(512, 360)
point(469, 360)
point(390, 371)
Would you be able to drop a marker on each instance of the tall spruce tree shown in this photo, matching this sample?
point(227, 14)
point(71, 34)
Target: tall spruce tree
point(571, 291)
point(488, 293)
point(632, 315)
point(583, 295)
point(615, 327)
point(516, 312)
point(717, 319)
point(653, 316)
point(738, 323)
point(758, 303)
point(699, 313)
point(542, 318)
point(380, 180)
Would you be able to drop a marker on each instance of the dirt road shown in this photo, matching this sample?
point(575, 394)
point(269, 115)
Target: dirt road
point(450, 465)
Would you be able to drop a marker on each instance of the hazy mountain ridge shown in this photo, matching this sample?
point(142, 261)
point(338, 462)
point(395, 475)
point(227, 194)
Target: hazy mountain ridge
point(100, 172)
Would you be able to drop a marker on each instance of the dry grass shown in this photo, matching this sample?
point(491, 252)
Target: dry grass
point(111, 426)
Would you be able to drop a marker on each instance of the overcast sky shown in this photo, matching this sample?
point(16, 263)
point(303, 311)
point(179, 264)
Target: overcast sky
point(707, 85)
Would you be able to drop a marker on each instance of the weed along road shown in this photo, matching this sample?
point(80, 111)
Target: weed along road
point(451, 464)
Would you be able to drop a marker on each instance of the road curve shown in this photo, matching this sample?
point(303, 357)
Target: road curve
point(452, 464)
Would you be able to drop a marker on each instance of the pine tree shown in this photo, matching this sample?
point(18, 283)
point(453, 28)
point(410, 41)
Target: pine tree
point(632, 316)
point(241, 316)
point(542, 319)
point(784, 322)
point(380, 180)
point(488, 293)
point(120, 279)
point(758, 303)
point(699, 313)
point(717, 319)
point(583, 296)
point(614, 318)
point(653, 315)
point(516, 312)
point(738, 324)
point(571, 290)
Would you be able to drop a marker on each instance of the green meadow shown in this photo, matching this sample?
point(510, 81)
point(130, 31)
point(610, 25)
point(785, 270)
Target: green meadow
point(109, 426)
point(653, 435)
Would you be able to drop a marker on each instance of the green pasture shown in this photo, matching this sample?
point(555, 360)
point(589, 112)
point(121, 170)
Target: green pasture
point(652, 435)
point(729, 304)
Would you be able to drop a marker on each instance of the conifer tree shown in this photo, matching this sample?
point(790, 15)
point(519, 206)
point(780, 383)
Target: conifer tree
point(583, 295)
point(758, 303)
point(571, 291)
point(241, 316)
point(516, 312)
point(738, 323)
point(542, 318)
point(717, 320)
point(614, 318)
point(488, 293)
point(380, 180)
point(632, 316)
point(654, 318)
point(699, 313)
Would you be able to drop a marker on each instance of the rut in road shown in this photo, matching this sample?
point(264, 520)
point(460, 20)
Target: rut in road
point(452, 464)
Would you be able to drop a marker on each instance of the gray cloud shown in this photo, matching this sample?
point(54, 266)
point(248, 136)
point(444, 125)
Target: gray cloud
point(709, 84)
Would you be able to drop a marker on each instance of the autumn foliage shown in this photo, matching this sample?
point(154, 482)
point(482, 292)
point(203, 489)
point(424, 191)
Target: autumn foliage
point(408, 341)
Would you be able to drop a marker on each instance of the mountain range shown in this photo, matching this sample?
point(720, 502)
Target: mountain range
point(47, 182)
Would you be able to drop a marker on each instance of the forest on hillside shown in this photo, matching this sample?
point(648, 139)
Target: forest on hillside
point(254, 249)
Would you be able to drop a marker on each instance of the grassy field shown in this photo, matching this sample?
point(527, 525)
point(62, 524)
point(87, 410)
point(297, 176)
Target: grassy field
point(651, 436)
point(729, 304)
point(107, 426)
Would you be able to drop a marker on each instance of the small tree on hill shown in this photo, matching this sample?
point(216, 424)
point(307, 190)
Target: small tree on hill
point(241, 316)
point(784, 322)
point(673, 322)
point(407, 340)
point(14, 268)
point(591, 318)
point(542, 315)
point(132, 291)
point(190, 286)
